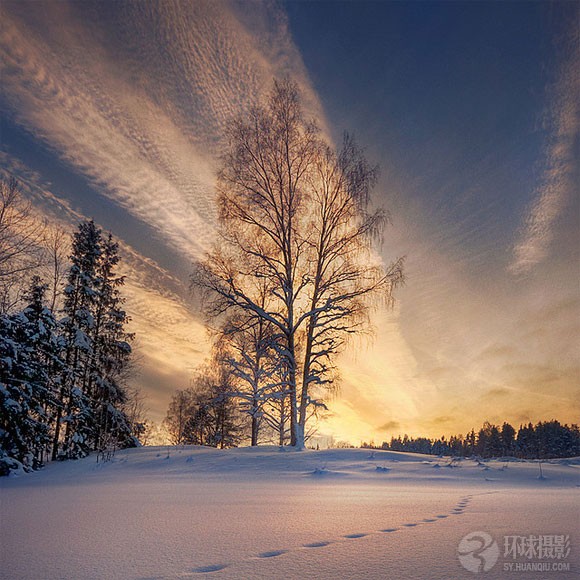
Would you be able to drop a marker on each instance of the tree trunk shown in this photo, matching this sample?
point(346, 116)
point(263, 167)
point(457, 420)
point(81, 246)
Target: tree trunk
point(255, 427)
point(305, 379)
point(310, 336)
point(299, 437)
point(282, 424)
point(56, 434)
point(223, 425)
point(294, 426)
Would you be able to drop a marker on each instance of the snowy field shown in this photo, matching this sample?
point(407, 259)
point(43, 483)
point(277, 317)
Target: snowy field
point(164, 513)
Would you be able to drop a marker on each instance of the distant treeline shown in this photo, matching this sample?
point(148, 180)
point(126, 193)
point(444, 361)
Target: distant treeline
point(544, 440)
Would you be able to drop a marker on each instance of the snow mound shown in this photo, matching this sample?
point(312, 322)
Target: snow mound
point(324, 472)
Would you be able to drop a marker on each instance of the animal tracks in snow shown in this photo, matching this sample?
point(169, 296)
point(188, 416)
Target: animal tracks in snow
point(459, 509)
point(272, 554)
point(317, 545)
point(211, 568)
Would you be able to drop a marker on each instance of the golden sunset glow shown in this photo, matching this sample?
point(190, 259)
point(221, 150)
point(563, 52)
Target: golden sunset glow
point(125, 123)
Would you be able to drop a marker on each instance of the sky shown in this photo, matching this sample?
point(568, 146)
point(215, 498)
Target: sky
point(117, 111)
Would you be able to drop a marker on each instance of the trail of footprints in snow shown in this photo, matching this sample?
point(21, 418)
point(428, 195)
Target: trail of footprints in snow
point(459, 508)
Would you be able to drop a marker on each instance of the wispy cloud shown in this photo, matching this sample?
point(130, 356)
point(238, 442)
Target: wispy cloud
point(136, 99)
point(141, 117)
point(171, 336)
point(560, 178)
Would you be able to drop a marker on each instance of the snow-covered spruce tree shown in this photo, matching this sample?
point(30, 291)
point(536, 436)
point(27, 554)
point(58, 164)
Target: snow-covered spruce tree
point(96, 349)
point(79, 304)
point(30, 351)
point(294, 212)
point(111, 352)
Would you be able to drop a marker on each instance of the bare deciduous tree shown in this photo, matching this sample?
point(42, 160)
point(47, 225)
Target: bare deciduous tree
point(205, 413)
point(343, 279)
point(136, 410)
point(293, 213)
point(179, 411)
point(56, 248)
point(248, 352)
point(20, 243)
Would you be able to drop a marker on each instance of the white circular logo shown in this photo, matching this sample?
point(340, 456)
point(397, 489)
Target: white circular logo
point(478, 552)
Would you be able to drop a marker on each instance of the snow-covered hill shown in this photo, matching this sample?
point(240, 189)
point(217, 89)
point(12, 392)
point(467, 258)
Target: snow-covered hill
point(157, 513)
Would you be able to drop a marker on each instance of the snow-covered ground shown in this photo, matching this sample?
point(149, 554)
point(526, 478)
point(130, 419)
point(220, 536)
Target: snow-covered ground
point(193, 512)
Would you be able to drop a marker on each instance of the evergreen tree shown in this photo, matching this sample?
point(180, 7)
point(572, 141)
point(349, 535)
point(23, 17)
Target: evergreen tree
point(526, 443)
point(97, 349)
point(545, 440)
point(78, 322)
point(111, 353)
point(508, 434)
point(469, 443)
point(489, 442)
point(30, 351)
point(61, 383)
